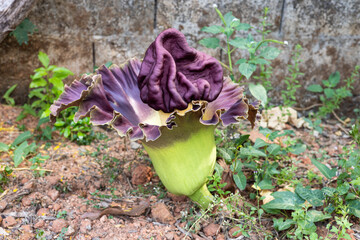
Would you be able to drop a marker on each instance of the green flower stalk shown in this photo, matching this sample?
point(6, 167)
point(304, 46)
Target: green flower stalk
point(171, 101)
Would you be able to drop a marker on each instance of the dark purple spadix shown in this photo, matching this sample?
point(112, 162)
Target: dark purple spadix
point(173, 74)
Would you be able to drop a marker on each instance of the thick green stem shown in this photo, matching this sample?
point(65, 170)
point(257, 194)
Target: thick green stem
point(202, 197)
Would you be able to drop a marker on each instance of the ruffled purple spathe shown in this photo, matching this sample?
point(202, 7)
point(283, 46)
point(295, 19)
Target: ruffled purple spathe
point(139, 99)
point(173, 74)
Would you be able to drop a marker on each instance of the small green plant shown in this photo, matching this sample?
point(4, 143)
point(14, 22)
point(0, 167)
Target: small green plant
point(292, 82)
point(9, 100)
point(62, 214)
point(5, 173)
point(216, 186)
point(22, 31)
point(333, 95)
point(45, 87)
point(36, 164)
point(20, 148)
point(258, 51)
point(62, 234)
point(40, 234)
point(80, 132)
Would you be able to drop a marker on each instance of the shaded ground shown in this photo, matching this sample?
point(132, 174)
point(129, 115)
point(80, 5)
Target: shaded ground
point(80, 181)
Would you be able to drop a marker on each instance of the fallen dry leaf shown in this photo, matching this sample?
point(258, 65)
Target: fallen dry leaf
point(120, 210)
point(267, 195)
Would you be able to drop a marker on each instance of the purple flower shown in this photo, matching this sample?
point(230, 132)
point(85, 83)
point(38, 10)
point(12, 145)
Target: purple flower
point(172, 102)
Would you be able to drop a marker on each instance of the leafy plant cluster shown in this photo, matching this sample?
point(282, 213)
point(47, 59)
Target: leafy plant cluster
point(45, 87)
point(267, 166)
point(332, 94)
point(22, 31)
point(259, 52)
point(20, 150)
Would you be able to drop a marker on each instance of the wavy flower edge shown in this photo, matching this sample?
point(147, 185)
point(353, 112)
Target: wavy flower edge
point(111, 96)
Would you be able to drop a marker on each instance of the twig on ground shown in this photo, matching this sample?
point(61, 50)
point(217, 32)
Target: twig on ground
point(35, 169)
point(337, 117)
point(128, 181)
point(27, 215)
point(308, 108)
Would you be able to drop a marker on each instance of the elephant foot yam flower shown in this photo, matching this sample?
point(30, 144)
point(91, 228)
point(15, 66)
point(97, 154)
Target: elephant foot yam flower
point(172, 102)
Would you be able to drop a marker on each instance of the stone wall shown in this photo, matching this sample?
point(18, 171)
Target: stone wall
point(81, 34)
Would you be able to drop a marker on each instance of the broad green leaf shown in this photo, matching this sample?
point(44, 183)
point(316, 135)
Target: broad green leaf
point(210, 42)
point(314, 197)
point(218, 169)
point(327, 172)
point(259, 92)
point(62, 123)
point(46, 113)
point(334, 79)
point(42, 121)
point(38, 82)
point(61, 72)
point(44, 59)
point(251, 152)
point(273, 149)
point(265, 184)
point(67, 132)
point(315, 88)
point(226, 154)
point(39, 73)
point(21, 138)
point(4, 147)
point(243, 27)
point(239, 43)
point(284, 201)
point(259, 143)
point(242, 139)
point(31, 148)
point(270, 53)
point(280, 224)
point(328, 191)
point(240, 180)
point(354, 207)
point(38, 92)
point(213, 29)
point(57, 82)
point(343, 188)
point(22, 30)
point(240, 61)
point(247, 69)
point(350, 196)
point(9, 100)
point(297, 149)
point(20, 153)
point(329, 92)
point(316, 216)
point(228, 17)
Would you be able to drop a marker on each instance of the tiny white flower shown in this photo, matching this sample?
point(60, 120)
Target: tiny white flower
point(286, 42)
point(235, 19)
point(215, 5)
